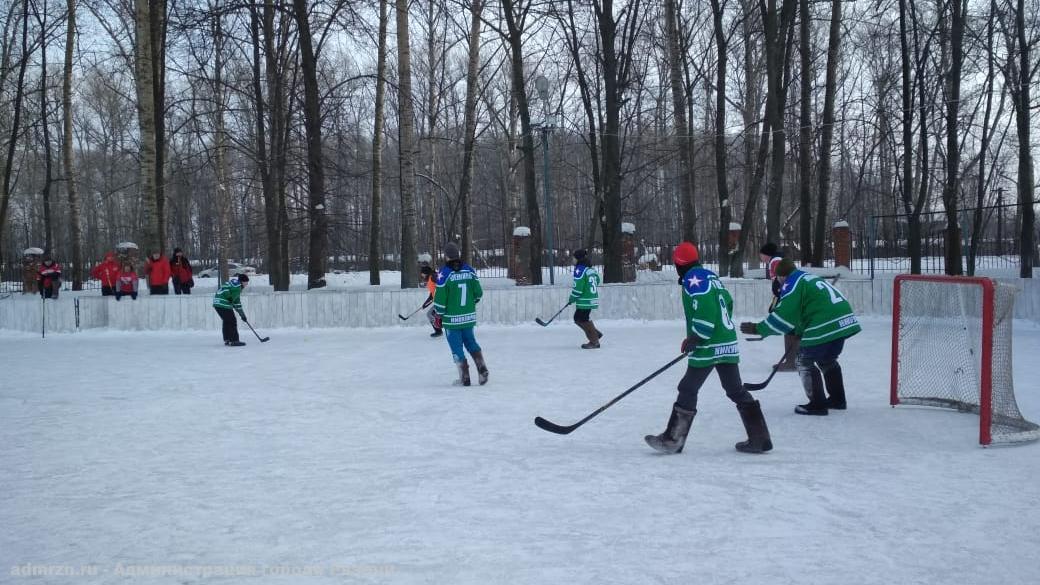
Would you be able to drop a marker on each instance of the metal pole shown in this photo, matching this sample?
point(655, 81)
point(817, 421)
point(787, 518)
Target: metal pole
point(548, 202)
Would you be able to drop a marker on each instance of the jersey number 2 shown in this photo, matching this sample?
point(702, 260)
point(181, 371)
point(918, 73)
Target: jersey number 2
point(835, 295)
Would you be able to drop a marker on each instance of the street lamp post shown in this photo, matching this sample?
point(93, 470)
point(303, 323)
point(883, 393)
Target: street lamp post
point(542, 85)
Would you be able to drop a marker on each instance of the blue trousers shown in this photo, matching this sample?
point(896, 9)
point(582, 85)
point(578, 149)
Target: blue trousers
point(459, 338)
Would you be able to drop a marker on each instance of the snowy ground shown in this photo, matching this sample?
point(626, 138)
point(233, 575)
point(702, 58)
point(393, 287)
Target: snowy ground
point(349, 452)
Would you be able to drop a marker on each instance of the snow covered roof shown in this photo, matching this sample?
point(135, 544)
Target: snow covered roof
point(734, 226)
point(33, 252)
point(424, 257)
point(628, 228)
point(521, 232)
point(126, 246)
point(647, 258)
point(841, 223)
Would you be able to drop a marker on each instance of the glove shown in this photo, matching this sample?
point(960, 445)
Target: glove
point(570, 302)
point(749, 328)
point(242, 315)
point(690, 343)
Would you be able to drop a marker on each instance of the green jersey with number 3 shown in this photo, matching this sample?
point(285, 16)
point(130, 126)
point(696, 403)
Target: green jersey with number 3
point(811, 308)
point(456, 297)
point(585, 294)
point(709, 317)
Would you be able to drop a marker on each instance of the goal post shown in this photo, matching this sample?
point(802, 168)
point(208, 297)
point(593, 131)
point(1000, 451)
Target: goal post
point(951, 348)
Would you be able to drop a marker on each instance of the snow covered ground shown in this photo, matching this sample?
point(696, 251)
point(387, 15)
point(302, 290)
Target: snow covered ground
point(347, 456)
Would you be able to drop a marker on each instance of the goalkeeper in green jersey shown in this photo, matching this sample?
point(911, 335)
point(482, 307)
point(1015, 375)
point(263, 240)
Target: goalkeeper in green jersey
point(813, 309)
point(711, 344)
point(585, 298)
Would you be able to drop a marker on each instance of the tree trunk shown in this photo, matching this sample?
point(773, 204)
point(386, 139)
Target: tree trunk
point(682, 131)
point(375, 222)
point(316, 213)
point(982, 183)
point(534, 217)
point(48, 176)
point(1027, 241)
point(223, 194)
point(145, 84)
point(19, 95)
point(777, 56)
point(75, 234)
point(721, 155)
point(470, 137)
point(805, 136)
point(406, 124)
point(827, 132)
point(952, 185)
point(158, 25)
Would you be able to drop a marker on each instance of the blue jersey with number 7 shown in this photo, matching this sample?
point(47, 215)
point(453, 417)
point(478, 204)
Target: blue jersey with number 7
point(456, 297)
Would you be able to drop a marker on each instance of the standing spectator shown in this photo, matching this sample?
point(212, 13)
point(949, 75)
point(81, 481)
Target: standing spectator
point(108, 273)
point(126, 283)
point(49, 278)
point(30, 272)
point(458, 292)
point(227, 301)
point(431, 285)
point(771, 255)
point(180, 269)
point(157, 269)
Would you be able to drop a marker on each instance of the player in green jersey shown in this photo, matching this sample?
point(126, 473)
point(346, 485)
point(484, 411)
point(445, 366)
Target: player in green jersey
point(227, 302)
point(813, 309)
point(711, 342)
point(455, 300)
point(585, 298)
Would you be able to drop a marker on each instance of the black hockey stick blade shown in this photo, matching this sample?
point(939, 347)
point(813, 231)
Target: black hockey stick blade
point(776, 367)
point(566, 430)
point(553, 427)
point(539, 320)
point(402, 317)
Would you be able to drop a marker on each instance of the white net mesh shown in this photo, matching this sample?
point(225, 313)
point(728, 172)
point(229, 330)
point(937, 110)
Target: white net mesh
point(939, 352)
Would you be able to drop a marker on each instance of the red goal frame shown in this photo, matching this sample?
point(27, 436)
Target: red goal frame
point(986, 376)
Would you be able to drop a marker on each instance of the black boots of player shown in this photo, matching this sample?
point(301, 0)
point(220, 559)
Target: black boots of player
point(758, 440)
point(673, 439)
point(234, 343)
point(482, 371)
point(791, 343)
point(591, 333)
point(812, 383)
point(437, 332)
point(835, 384)
point(463, 367)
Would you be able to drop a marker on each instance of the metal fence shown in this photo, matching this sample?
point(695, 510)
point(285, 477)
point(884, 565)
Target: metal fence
point(883, 244)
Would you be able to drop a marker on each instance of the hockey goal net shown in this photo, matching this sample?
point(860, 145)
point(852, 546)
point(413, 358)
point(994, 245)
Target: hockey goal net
point(951, 348)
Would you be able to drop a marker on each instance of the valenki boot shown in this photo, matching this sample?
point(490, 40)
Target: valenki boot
point(482, 371)
point(673, 439)
point(758, 440)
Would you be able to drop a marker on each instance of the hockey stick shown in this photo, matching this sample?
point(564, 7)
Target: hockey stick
point(262, 339)
point(539, 321)
point(566, 430)
point(412, 314)
point(761, 385)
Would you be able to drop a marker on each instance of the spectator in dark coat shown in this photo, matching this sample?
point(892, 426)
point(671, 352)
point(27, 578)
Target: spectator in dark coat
point(181, 271)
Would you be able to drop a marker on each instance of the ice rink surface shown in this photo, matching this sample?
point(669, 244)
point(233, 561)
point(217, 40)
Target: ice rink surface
point(346, 456)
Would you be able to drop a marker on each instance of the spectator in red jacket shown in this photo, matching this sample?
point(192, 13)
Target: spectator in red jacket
point(180, 268)
point(157, 268)
point(107, 272)
point(126, 282)
point(49, 278)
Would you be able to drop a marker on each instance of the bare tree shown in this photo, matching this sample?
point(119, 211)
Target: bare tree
point(952, 184)
point(375, 225)
point(469, 139)
point(687, 179)
point(406, 125)
point(12, 143)
point(68, 153)
point(1021, 78)
point(823, 194)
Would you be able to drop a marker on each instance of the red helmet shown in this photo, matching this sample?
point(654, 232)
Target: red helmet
point(685, 253)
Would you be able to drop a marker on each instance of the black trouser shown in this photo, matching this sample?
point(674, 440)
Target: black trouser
point(132, 295)
point(107, 291)
point(50, 292)
point(814, 360)
point(729, 375)
point(159, 289)
point(181, 288)
point(581, 315)
point(229, 325)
